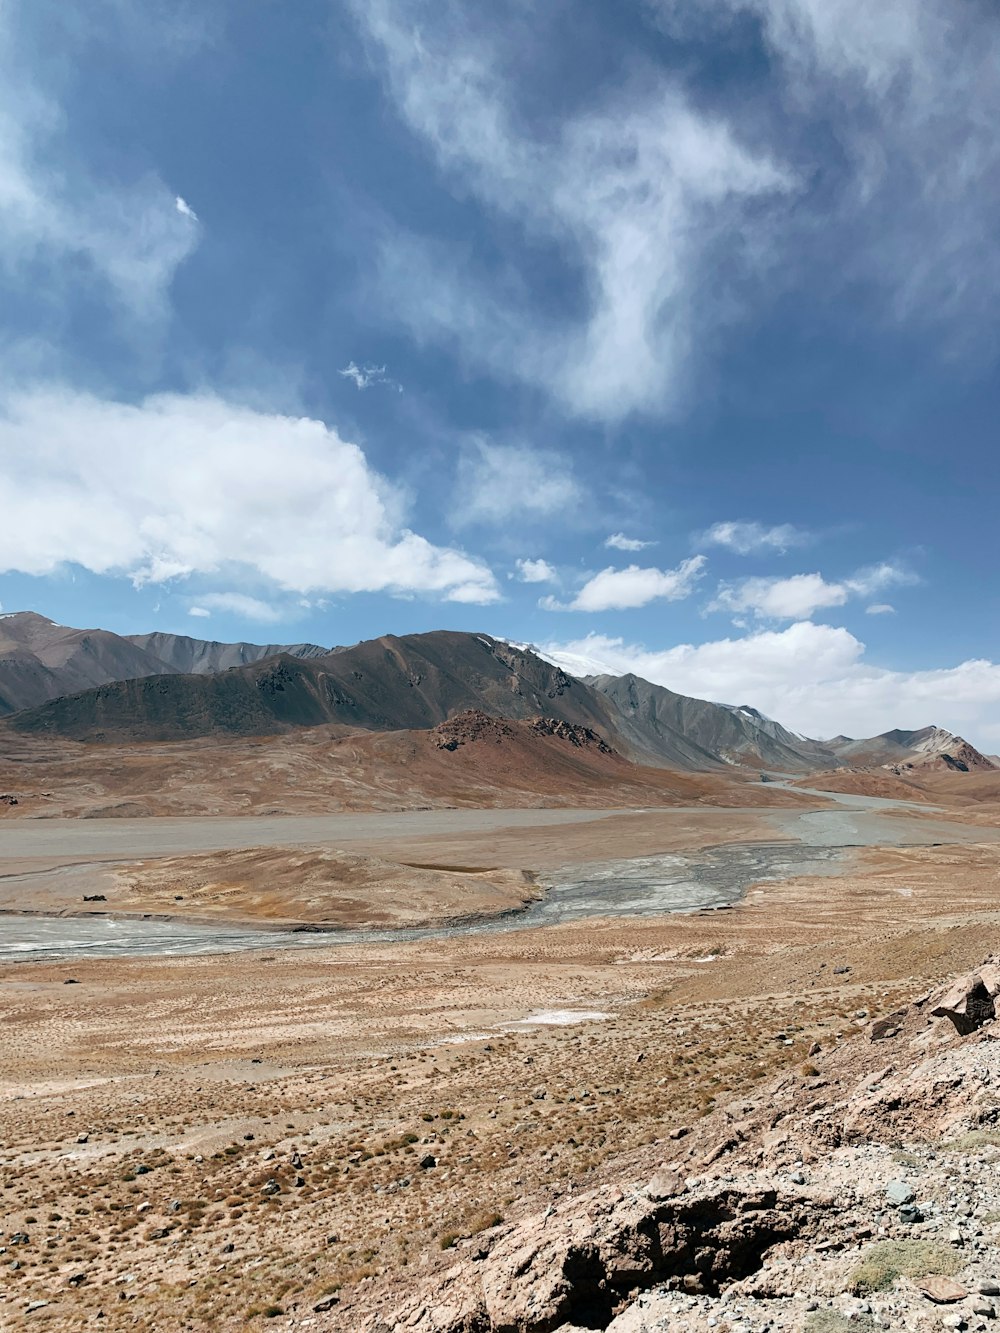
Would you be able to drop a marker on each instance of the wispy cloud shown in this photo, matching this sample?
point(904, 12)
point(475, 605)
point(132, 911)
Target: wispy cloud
point(635, 191)
point(499, 482)
point(868, 144)
point(746, 538)
point(64, 223)
point(185, 209)
point(619, 542)
point(238, 604)
point(880, 609)
point(627, 589)
point(363, 377)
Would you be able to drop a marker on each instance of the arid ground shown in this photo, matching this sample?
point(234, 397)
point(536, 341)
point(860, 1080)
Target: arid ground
point(225, 1139)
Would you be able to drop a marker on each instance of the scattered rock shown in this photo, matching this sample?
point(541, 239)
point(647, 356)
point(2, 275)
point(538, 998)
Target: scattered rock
point(898, 1192)
point(941, 1290)
point(969, 1002)
point(428, 1163)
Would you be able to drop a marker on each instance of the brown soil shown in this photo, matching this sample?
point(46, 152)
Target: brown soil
point(316, 886)
point(374, 1058)
point(320, 769)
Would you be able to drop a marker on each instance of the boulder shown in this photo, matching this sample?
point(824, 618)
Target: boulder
point(970, 1001)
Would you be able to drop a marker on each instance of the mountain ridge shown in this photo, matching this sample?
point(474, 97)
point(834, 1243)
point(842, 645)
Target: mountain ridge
point(162, 687)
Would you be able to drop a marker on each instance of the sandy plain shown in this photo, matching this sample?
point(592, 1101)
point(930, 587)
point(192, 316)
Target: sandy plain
point(236, 1141)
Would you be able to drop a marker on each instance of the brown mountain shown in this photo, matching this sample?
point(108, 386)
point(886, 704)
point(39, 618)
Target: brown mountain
point(413, 682)
point(40, 660)
point(929, 747)
point(205, 657)
point(693, 733)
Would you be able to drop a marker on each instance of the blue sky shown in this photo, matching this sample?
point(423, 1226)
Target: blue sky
point(661, 335)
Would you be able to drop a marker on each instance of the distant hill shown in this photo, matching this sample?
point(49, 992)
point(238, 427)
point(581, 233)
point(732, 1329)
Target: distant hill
point(201, 657)
point(694, 733)
point(412, 682)
point(930, 747)
point(92, 685)
point(41, 660)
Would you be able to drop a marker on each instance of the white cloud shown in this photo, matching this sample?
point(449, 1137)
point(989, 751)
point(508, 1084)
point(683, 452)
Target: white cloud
point(626, 589)
point(880, 609)
point(536, 571)
point(909, 92)
point(802, 595)
point(619, 542)
point(674, 216)
point(180, 485)
point(635, 190)
point(185, 209)
point(64, 225)
point(199, 611)
point(498, 482)
point(746, 538)
point(238, 604)
point(363, 377)
point(812, 678)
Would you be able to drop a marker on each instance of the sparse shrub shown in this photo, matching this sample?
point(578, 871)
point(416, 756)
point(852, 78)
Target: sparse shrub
point(892, 1259)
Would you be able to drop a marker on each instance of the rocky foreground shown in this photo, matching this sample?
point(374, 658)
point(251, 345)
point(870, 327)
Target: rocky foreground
point(863, 1192)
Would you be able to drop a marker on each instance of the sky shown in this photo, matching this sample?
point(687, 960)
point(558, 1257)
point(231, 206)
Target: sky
point(660, 335)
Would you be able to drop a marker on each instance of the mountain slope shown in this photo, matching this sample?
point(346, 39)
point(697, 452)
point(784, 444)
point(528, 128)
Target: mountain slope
point(205, 657)
point(387, 684)
point(41, 660)
point(695, 733)
point(930, 747)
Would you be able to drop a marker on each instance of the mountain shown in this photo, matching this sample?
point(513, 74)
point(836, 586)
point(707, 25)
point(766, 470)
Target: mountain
point(693, 733)
point(202, 657)
point(930, 747)
point(412, 682)
point(40, 660)
point(97, 686)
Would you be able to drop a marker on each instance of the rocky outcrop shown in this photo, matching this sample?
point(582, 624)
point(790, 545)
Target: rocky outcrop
point(583, 1261)
point(969, 1002)
point(770, 1198)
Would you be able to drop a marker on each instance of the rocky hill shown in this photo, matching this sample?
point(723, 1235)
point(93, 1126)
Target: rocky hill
point(201, 657)
point(92, 685)
point(41, 660)
point(412, 682)
point(695, 733)
point(861, 1193)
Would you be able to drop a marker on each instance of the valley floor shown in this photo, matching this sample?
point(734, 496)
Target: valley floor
point(301, 1138)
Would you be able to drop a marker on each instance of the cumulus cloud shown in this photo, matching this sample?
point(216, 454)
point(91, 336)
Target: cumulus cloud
point(625, 589)
point(802, 595)
point(635, 190)
point(363, 377)
point(619, 542)
point(880, 609)
point(747, 538)
point(180, 485)
point(199, 611)
point(536, 571)
point(813, 678)
point(65, 224)
point(499, 482)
